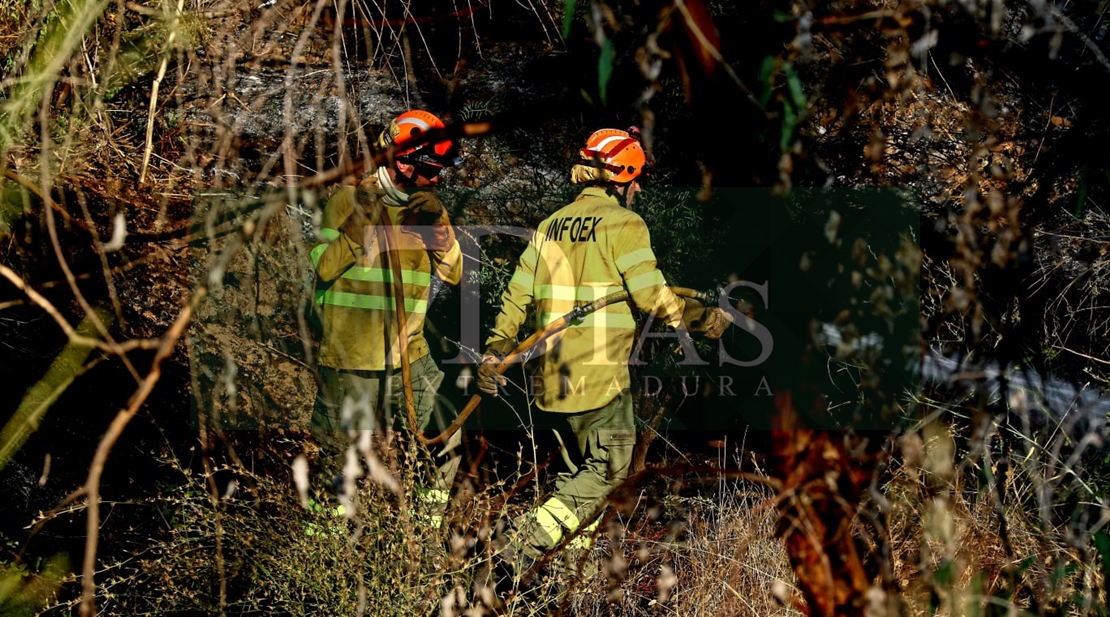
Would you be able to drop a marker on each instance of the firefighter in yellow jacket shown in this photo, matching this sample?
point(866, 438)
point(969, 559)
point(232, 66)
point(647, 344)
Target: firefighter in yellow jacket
point(590, 248)
point(360, 383)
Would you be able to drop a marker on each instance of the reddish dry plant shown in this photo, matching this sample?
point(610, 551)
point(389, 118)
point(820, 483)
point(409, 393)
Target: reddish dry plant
point(822, 486)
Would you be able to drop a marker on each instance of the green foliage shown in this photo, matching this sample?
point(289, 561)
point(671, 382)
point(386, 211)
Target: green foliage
point(67, 366)
point(1102, 548)
point(14, 201)
point(568, 16)
point(26, 588)
point(14, 11)
point(59, 37)
point(684, 250)
point(776, 74)
point(141, 50)
point(493, 278)
point(678, 231)
point(605, 68)
point(481, 109)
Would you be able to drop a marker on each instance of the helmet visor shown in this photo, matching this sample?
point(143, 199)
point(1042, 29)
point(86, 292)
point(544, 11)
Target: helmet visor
point(430, 155)
point(427, 170)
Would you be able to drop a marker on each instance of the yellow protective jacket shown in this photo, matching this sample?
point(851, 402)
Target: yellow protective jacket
point(588, 249)
point(354, 287)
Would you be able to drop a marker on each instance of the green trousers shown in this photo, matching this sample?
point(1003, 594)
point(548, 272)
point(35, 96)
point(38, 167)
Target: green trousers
point(352, 401)
point(604, 438)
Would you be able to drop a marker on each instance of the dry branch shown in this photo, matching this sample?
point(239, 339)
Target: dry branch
point(96, 468)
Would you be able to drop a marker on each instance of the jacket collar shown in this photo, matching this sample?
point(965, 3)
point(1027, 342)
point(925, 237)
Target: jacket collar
point(599, 192)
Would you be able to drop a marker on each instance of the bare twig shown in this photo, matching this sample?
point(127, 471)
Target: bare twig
point(1082, 355)
point(96, 468)
point(154, 93)
point(34, 188)
point(708, 46)
point(111, 347)
point(52, 230)
point(1088, 41)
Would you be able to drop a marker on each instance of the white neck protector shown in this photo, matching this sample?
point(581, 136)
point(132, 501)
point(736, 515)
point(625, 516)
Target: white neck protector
point(393, 195)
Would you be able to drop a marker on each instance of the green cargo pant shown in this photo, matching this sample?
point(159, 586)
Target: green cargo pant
point(604, 438)
point(350, 401)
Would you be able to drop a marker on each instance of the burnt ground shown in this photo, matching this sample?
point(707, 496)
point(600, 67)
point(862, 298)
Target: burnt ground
point(247, 359)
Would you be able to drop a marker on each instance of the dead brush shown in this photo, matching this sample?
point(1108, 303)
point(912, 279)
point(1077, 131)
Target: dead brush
point(380, 557)
point(732, 562)
point(691, 555)
point(967, 535)
point(1071, 281)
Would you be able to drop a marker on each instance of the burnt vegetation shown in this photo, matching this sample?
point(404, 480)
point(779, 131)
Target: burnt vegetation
point(923, 185)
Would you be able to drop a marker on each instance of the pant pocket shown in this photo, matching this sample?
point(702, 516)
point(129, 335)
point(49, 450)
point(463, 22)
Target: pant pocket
point(618, 445)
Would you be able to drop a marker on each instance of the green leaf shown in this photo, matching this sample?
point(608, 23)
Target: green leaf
point(12, 200)
point(974, 606)
point(20, 597)
point(944, 575)
point(782, 16)
point(1102, 546)
point(1082, 196)
point(766, 72)
point(568, 17)
point(605, 68)
point(789, 121)
point(67, 367)
point(795, 86)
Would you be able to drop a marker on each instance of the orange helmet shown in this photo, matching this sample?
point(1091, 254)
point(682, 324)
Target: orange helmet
point(408, 127)
point(617, 152)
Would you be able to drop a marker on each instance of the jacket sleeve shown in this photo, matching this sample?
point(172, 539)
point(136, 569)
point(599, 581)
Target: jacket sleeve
point(517, 296)
point(336, 252)
point(448, 264)
point(645, 283)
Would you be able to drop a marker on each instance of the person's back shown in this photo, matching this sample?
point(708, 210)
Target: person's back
point(587, 250)
point(591, 248)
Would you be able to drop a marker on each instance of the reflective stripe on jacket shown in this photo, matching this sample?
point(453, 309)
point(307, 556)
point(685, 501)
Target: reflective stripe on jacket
point(588, 249)
point(354, 287)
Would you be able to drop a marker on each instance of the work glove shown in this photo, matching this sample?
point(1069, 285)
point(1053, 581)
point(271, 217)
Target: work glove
point(426, 213)
point(699, 319)
point(488, 377)
point(354, 226)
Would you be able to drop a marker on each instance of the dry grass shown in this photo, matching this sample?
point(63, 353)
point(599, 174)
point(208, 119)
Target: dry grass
point(962, 544)
point(959, 544)
point(249, 535)
point(704, 546)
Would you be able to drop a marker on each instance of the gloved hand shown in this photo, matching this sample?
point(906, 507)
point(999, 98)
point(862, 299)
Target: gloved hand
point(710, 321)
point(354, 227)
point(427, 214)
point(488, 377)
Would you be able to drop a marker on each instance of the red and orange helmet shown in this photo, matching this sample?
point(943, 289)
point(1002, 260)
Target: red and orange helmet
point(618, 152)
point(408, 127)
